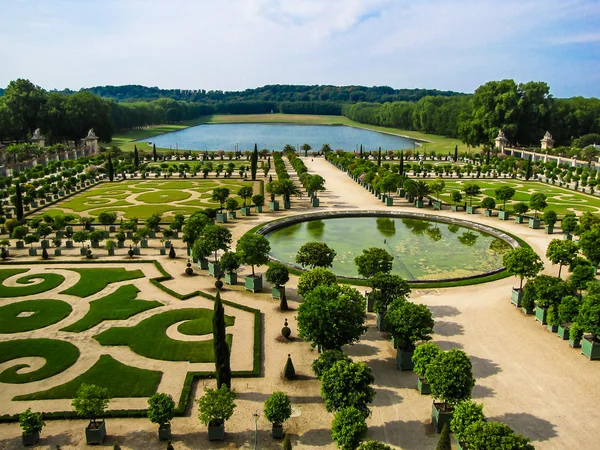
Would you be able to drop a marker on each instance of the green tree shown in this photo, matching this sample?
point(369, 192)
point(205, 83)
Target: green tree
point(18, 202)
point(348, 384)
point(220, 195)
point(444, 442)
point(316, 184)
point(348, 428)
point(419, 189)
point(373, 445)
point(30, 422)
point(278, 408)
point(161, 408)
point(522, 262)
point(471, 190)
point(315, 254)
point(493, 436)
point(325, 305)
point(568, 310)
point(488, 203)
point(409, 323)
point(107, 218)
point(372, 261)
point(589, 243)
point(520, 208)
point(423, 356)
point(216, 238)
point(91, 401)
point(287, 188)
point(136, 157)
point(230, 262)
point(538, 202)
point(589, 315)
point(221, 349)
point(154, 154)
point(253, 164)
point(110, 171)
point(451, 377)
point(245, 192)
point(277, 274)
point(216, 405)
point(194, 226)
point(326, 360)
point(390, 287)
point(306, 148)
point(438, 186)
point(561, 252)
point(314, 278)
point(465, 413)
point(253, 249)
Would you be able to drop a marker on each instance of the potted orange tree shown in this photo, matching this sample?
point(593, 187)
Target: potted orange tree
point(91, 402)
point(524, 263)
point(278, 409)
point(161, 410)
point(277, 274)
point(215, 408)
point(31, 426)
point(422, 357)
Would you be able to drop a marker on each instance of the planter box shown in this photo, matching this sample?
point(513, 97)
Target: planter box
point(202, 263)
point(423, 386)
point(278, 292)
point(563, 333)
point(401, 193)
point(111, 252)
point(83, 251)
point(144, 243)
point(503, 215)
point(95, 435)
point(418, 204)
point(380, 321)
point(30, 439)
point(163, 252)
point(274, 206)
point(568, 237)
point(112, 229)
point(45, 243)
point(575, 343)
point(287, 205)
point(245, 210)
point(454, 208)
point(527, 312)
point(253, 283)
point(541, 315)
point(590, 348)
point(216, 432)
point(214, 269)
point(552, 328)
point(439, 418)
point(519, 219)
point(69, 244)
point(370, 302)
point(231, 278)
point(549, 229)
point(488, 212)
point(57, 252)
point(221, 218)
point(258, 209)
point(95, 244)
point(471, 209)
point(404, 360)
point(231, 215)
point(32, 252)
point(164, 432)
point(120, 244)
point(167, 244)
point(314, 202)
point(517, 297)
point(534, 223)
point(20, 245)
point(136, 251)
point(389, 201)
point(277, 432)
point(437, 205)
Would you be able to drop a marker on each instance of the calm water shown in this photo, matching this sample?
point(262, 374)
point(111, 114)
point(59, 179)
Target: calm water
point(275, 137)
point(421, 249)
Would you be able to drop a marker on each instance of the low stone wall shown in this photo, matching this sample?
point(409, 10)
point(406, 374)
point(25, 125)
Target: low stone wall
point(267, 228)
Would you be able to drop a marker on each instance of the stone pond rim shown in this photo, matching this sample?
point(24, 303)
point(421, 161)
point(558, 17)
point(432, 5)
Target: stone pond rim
point(286, 221)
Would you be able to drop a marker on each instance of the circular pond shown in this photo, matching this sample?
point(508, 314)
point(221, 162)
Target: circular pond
point(423, 249)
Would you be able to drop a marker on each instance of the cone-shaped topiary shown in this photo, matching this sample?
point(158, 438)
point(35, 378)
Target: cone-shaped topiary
point(44, 253)
point(287, 444)
point(289, 372)
point(444, 440)
point(172, 254)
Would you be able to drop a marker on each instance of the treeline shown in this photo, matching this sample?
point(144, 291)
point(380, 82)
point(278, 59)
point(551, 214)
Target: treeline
point(524, 112)
point(270, 93)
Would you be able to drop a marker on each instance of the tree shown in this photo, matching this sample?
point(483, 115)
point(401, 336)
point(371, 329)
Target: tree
point(313, 278)
point(110, 171)
point(589, 243)
point(589, 315)
point(306, 148)
point(107, 218)
point(154, 155)
point(31, 423)
point(316, 184)
point(401, 165)
point(194, 226)
point(456, 197)
point(91, 401)
point(18, 202)
point(245, 192)
point(465, 413)
point(216, 405)
point(419, 189)
point(471, 190)
point(81, 237)
point(390, 287)
point(215, 238)
point(326, 360)
point(493, 436)
point(488, 203)
point(286, 444)
point(220, 195)
point(278, 408)
point(231, 204)
point(136, 157)
point(528, 169)
point(253, 249)
point(379, 157)
point(273, 188)
point(438, 186)
point(372, 261)
point(315, 254)
point(348, 384)
point(409, 323)
point(561, 252)
point(444, 442)
point(522, 262)
point(389, 182)
point(568, 310)
point(161, 408)
point(277, 274)
point(373, 445)
point(550, 218)
point(254, 163)
point(423, 356)
point(451, 377)
point(520, 208)
point(326, 305)
point(221, 349)
point(288, 371)
point(287, 188)
point(348, 428)
point(538, 202)
point(229, 262)
point(582, 274)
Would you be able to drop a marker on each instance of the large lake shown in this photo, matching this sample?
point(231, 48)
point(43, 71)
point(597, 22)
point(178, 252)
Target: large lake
point(276, 136)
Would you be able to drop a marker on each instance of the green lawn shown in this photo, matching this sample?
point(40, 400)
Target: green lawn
point(59, 356)
point(50, 281)
point(119, 305)
point(560, 200)
point(45, 312)
point(149, 339)
point(119, 379)
point(94, 280)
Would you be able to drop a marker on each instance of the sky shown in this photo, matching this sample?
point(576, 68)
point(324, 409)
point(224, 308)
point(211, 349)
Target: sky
point(238, 44)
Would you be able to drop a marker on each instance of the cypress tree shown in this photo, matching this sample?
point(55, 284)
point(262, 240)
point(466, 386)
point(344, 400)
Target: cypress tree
point(109, 168)
point(361, 152)
point(154, 155)
point(444, 440)
point(487, 156)
point(401, 167)
point(254, 163)
point(19, 202)
point(222, 364)
point(528, 169)
point(136, 157)
point(379, 157)
point(455, 153)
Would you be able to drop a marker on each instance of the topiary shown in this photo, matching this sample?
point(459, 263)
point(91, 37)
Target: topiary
point(278, 408)
point(287, 444)
point(373, 445)
point(172, 254)
point(289, 372)
point(444, 440)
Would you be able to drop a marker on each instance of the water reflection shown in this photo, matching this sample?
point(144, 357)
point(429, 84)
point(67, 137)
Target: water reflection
point(386, 226)
point(468, 238)
point(315, 228)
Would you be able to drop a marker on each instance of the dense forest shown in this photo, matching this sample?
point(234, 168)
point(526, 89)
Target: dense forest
point(523, 111)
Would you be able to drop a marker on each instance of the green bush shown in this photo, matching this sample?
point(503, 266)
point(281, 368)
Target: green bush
point(216, 405)
point(465, 414)
point(278, 408)
point(91, 401)
point(451, 377)
point(348, 428)
point(288, 371)
point(423, 356)
point(30, 422)
point(326, 360)
point(313, 278)
point(161, 408)
point(444, 442)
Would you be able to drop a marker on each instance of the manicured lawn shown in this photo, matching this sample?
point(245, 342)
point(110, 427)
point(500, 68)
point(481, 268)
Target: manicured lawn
point(164, 196)
point(50, 281)
point(119, 305)
point(560, 200)
point(149, 339)
point(59, 356)
point(120, 380)
point(45, 312)
point(94, 280)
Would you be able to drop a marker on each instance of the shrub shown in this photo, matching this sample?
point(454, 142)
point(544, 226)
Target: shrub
point(348, 384)
point(287, 444)
point(91, 401)
point(451, 377)
point(326, 360)
point(277, 274)
point(465, 414)
point(288, 371)
point(348, 428)
point(216, 405)
point(444, 442)
point(409, 323)
point(161, 408)
point(373, 445)
point(278, 408)
point(493, 436)
point(31, 422)
point(424, 354)
point(316, 277)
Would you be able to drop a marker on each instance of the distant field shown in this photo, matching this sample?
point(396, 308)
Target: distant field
point(439, 144)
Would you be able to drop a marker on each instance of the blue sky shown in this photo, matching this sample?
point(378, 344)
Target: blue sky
point(239, 44)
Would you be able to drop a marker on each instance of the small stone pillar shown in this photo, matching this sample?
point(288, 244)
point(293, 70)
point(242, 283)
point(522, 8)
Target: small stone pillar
point(91, 142)
point(38, 139)
point(547, 141)
point(501, 141)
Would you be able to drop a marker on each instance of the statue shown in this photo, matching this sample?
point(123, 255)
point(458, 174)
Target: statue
point(36, 135)
point(547, 136)
point(91, 134)
point(501, 134)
